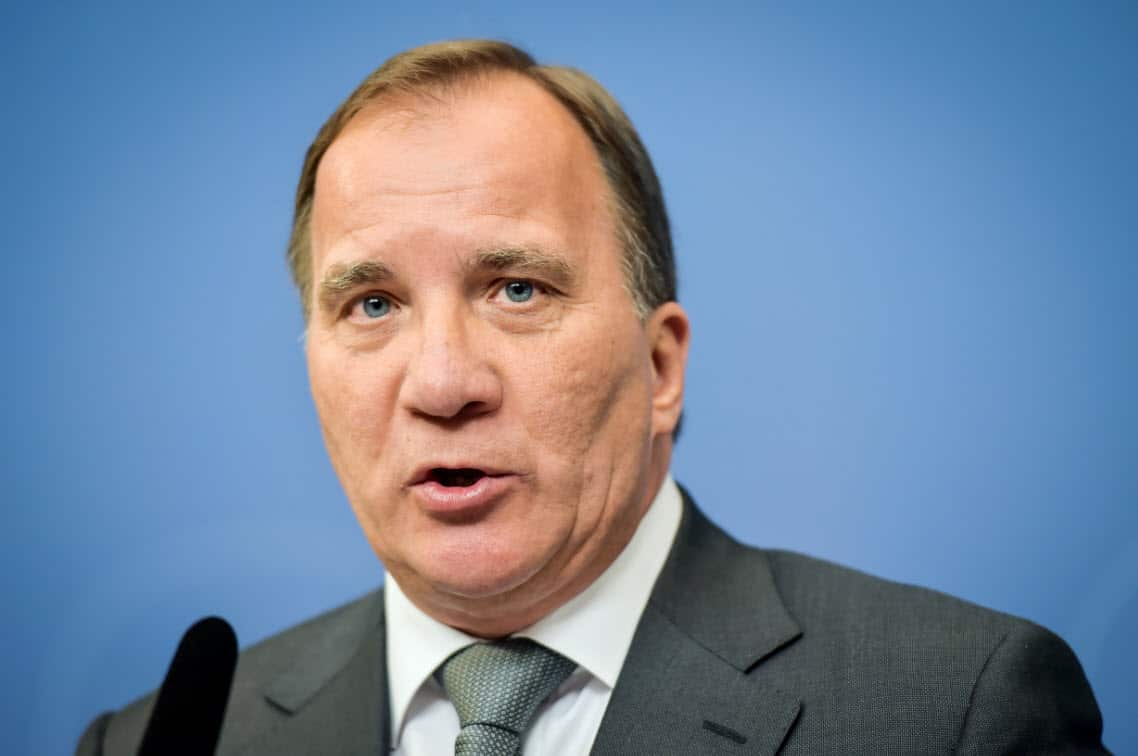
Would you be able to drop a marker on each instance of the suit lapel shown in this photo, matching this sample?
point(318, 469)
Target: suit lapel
point(693, 681)
point(334, 697)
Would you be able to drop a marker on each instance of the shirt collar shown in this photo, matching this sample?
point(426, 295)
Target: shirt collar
point(594, 628)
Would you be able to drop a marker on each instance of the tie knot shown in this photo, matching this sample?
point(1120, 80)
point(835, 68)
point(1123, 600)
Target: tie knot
point(500, 685)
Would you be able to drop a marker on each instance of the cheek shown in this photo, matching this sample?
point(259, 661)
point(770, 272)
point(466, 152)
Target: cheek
point(350, 400)
point(586, 390)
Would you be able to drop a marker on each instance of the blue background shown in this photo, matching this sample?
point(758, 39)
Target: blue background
point(907, 242)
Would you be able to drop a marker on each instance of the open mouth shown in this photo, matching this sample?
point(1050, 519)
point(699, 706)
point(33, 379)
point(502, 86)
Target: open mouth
point(455, 478)
point(461, 494)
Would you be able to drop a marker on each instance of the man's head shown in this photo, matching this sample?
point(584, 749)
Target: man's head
point(637, 200)
point(496, 375)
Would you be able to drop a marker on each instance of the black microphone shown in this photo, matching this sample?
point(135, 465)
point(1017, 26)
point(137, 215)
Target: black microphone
point(187, 715)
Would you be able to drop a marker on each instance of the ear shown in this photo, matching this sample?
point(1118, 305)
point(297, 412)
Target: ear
point(669, 333)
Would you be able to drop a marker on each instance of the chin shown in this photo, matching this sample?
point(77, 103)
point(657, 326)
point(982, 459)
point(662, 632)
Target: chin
point(477, 573)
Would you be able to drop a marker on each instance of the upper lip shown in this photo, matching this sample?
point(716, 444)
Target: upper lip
point(423, 473)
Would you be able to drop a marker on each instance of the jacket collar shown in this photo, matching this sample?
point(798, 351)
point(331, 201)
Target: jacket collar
point(693, 682)
point(334, 694)
point(722, 594)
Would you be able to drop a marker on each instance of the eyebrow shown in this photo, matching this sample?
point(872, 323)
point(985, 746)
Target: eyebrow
point(525, 261)
point(528, 261)
point(343, 277)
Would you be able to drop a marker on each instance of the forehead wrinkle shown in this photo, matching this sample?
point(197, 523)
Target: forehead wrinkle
point(427, 116)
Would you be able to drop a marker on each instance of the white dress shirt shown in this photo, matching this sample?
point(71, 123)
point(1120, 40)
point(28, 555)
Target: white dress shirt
point(594, 629)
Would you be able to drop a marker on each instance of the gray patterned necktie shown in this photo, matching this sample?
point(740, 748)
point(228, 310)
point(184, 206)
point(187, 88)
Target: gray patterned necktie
point(496, 689)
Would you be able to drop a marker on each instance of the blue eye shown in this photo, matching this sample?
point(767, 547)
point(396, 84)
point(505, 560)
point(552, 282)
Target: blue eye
point(519, 291)
point(375, 306)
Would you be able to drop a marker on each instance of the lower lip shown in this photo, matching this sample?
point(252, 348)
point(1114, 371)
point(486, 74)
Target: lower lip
point(462, 500)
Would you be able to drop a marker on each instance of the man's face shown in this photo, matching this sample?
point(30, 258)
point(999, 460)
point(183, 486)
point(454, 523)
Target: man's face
point(499, 416)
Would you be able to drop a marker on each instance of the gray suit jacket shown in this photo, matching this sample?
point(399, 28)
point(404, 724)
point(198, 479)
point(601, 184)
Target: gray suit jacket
point(739, 651)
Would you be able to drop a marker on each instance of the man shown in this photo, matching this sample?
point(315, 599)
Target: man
point(497, 358)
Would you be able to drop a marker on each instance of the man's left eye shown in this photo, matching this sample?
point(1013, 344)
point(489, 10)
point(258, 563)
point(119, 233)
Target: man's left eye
point(519, 291)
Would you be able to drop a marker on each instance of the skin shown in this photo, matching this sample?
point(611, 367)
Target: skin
point(569, 393)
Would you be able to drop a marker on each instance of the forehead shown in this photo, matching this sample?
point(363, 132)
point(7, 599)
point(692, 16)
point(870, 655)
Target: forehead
point(495, 147)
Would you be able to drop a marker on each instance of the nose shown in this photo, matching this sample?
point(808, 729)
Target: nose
point(449, 376)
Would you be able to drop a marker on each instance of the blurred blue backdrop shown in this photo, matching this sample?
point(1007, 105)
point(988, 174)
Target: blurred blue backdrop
point(908, 241)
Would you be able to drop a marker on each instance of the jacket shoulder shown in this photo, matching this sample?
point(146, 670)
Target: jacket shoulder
point(258, 667)
point(825, 596)
point(882, 632)
point(937, 671)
